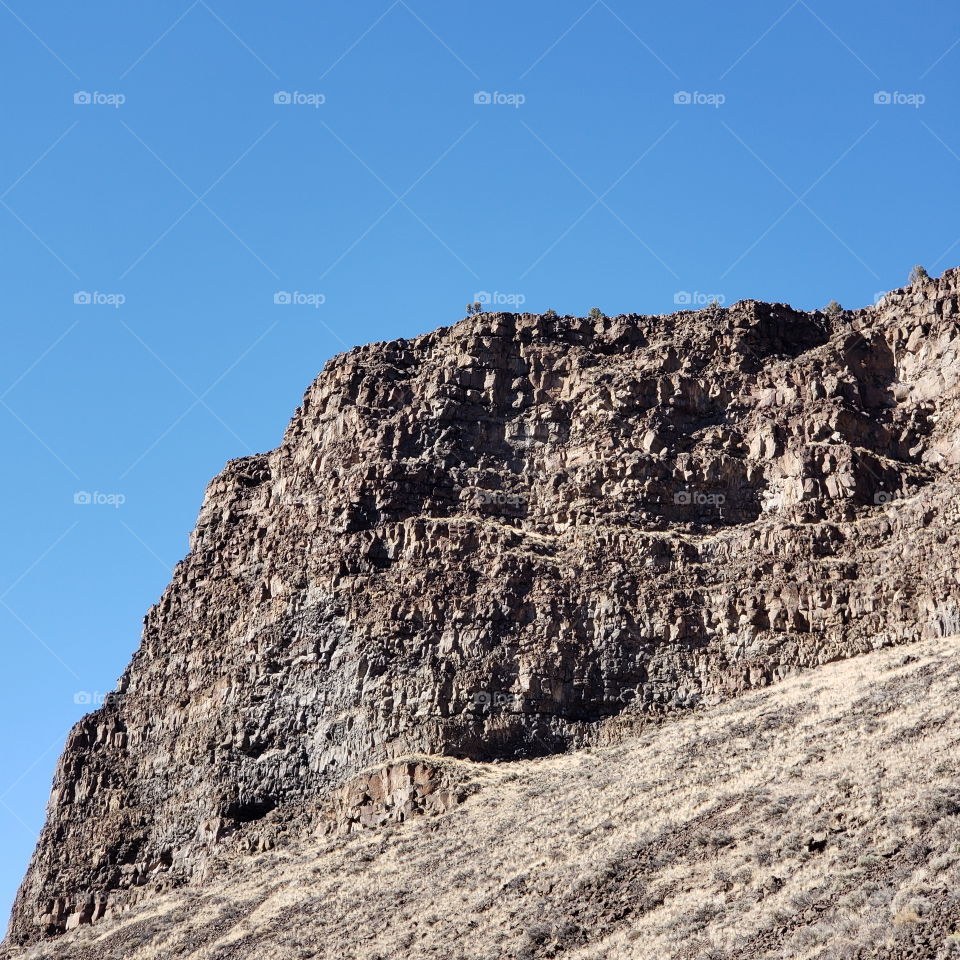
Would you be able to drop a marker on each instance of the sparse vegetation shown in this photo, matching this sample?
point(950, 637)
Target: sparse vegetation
point(473, 308)
point(680, 845)
point(833, 309)
point(552, 314)
point(595, 313)
point(917, 274)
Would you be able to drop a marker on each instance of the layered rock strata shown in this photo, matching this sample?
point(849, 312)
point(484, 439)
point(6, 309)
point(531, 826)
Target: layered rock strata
point(511, 537)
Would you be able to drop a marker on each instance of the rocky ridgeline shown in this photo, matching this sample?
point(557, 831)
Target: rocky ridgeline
point(514, 536)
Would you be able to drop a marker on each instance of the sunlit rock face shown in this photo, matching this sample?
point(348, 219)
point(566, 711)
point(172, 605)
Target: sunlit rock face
point(517, 535)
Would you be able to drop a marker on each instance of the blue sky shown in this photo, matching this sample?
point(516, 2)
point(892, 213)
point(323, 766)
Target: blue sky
point(156, 201)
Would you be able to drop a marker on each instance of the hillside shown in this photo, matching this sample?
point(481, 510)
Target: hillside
point(820, 818)
point(519, 537)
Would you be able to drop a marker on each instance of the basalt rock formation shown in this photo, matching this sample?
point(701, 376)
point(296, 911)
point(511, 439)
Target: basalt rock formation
point(507, 538)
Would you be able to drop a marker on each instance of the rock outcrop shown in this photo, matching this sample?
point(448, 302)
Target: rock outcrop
point(507, 538)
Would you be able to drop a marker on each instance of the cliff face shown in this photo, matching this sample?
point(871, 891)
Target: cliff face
point(506, 538)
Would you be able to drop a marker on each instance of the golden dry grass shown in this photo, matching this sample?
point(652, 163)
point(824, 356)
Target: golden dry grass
point(817, 818)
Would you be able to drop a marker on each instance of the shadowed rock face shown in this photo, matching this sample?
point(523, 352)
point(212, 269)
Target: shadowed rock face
point(510, 537)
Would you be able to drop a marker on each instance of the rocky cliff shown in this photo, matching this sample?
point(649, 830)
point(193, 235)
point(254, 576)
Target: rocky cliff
point(507, 538)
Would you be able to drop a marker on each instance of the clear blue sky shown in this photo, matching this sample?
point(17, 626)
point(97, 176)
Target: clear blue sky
point(395, 200)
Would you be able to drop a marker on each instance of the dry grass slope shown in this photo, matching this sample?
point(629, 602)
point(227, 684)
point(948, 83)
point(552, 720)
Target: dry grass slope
point(818, 818)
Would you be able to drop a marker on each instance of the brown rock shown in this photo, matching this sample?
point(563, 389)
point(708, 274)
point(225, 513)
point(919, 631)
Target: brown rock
point(510, 537)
